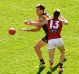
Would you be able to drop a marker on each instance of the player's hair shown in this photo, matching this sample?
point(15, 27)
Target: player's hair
point(56, 14)
point(41, 6)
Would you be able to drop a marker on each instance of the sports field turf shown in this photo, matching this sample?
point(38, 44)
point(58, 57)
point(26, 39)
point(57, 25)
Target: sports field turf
point(17, 55)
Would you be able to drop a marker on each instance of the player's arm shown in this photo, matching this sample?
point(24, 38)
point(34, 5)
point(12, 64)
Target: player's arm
point(64, 20)
point(32, 30)
point(37, 23)
point(41, 22)
point(32, 23)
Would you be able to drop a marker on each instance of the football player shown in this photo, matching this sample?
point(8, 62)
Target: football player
point(40, 10)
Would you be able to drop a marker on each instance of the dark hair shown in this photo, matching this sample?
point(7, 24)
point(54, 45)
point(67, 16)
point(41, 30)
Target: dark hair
point(41, 7)
point(56, 14)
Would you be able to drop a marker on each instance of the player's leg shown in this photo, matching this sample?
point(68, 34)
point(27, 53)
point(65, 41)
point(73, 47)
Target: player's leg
point(62, 57)
point(51, 51)
point(51, 58)
point(38, 47)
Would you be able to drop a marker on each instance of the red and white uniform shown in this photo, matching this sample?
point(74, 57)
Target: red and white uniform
point(54, 30)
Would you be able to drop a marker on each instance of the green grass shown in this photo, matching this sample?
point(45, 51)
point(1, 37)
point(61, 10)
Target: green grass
point(17, 55)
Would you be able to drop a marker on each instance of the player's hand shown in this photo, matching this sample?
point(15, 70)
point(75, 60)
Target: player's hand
point(24, 29)
point(28, 23)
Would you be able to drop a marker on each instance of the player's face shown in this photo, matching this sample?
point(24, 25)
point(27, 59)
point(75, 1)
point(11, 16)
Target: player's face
point(39, 11)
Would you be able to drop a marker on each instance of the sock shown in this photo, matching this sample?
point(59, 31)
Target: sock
point(60, 65)
point(51, 63)
point(42, 60)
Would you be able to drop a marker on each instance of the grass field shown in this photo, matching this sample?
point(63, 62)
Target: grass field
point(17, 55)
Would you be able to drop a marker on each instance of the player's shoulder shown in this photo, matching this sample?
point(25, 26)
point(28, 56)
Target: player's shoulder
point(57, 20)
point(54, 20)
point(46, 16)
point(50, 20)
point(60, 22)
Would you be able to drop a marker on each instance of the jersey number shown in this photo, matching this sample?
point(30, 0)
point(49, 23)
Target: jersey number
point(56, 24)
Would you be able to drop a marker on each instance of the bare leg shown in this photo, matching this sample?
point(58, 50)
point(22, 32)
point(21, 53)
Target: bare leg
point(62, 57)
point(37, 47)
point(51, 57)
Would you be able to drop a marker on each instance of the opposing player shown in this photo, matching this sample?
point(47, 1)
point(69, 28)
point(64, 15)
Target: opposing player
point(40, 10)
point(54, 38)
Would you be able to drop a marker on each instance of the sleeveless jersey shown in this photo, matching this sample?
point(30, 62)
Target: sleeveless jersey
point(54, 29)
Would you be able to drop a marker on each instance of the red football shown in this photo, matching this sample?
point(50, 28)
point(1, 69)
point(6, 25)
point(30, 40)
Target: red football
point(12, 31)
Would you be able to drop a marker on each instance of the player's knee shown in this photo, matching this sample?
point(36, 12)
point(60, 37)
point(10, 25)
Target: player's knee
point(62, 51)
point(36, 47)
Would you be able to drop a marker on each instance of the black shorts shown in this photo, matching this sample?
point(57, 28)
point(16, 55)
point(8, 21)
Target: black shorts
point(45, 38)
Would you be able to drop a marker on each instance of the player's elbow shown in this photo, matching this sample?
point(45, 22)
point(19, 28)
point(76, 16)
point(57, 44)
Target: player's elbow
point(67, 23)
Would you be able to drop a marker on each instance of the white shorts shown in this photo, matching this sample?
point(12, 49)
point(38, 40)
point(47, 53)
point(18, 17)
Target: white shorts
point(53, 43)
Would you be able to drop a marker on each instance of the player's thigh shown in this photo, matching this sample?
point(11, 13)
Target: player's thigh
point(51, 44)
point(40, 43)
